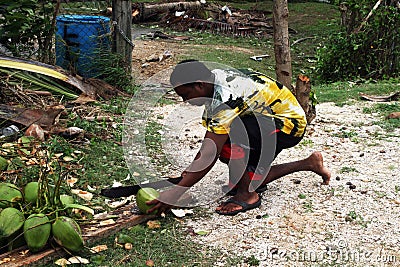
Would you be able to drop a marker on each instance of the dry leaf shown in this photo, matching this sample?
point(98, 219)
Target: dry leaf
point(71, 181)
point(82, 194)
point(150, 263)
point(77, 259)
point(91, 189)
point(35, 131)
point(5, 260)
point(117, 204)
point(68, 158)
point(24, 252)
point(5, 145)
point(100, 216)
point(31, 161)
point(180, 212)
point(116, 184)
point(107, 222)
point(61, 262)
point(153, 224)
point(98, 248)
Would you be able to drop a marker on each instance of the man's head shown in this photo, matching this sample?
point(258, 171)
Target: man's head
point(193, 81)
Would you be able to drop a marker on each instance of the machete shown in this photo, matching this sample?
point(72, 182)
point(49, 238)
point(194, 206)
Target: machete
point(126, 191)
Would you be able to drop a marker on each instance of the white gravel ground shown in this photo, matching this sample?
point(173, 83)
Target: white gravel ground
point(300, 221)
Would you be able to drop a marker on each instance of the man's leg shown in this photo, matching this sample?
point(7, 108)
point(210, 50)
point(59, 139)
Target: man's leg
point(313, 163)
point(243, 194)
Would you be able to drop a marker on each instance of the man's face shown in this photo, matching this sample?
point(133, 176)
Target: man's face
point(193, 93)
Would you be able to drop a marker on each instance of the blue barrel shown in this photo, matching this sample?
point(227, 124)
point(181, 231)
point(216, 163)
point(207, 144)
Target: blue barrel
point(79, 41)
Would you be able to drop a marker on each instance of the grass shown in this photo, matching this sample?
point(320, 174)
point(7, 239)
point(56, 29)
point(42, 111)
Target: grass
point(383, 110)
point(164, 246)
point(352, 135)
point(347, 169)
point(343, 93)
point(231, 51)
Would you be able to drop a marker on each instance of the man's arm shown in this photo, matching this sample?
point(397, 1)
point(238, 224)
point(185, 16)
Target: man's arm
point(205, 158)
point(201, 165)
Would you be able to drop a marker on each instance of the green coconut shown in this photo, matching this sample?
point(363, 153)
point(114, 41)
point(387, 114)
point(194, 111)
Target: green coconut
point(37, 229)
point(146, 194)
point(9, 193)
point(11, 220)
point(67, 233)
point(31, 192)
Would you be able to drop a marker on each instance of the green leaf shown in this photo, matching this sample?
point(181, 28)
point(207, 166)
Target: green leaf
point(201, 232)
point(302, 196)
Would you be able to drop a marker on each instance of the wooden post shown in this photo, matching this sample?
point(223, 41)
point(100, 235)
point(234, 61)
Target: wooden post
point(122, 36)
point(283, 60)
point(302, 90)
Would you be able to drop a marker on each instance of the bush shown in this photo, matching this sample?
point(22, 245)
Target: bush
point(26, 28)
point(372, 53)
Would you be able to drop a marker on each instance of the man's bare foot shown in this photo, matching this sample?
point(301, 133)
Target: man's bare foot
point(239, 203)
point(317, 166)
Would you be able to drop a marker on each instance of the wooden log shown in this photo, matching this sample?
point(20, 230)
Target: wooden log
point(302, 92)
point(392, 97)
point(146, 11)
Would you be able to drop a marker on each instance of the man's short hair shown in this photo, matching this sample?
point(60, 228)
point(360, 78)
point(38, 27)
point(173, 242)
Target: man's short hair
point(190, 71)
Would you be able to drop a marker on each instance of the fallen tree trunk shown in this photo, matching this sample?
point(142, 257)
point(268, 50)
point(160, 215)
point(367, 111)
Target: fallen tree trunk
point(145, 11)
point(392, 97)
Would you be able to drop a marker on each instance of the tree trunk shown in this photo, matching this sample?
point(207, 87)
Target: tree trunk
point(283, 67)
point(302, 91)
point(122, 39)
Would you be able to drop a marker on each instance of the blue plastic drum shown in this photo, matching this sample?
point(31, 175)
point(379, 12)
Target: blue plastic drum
point(79, 40)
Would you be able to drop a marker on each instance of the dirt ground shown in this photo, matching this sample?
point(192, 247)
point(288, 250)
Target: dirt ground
point(146, 49)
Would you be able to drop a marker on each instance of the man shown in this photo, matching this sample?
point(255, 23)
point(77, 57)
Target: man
point(250, 119)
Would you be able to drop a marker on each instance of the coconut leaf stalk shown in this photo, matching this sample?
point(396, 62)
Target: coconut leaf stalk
point(42, 82)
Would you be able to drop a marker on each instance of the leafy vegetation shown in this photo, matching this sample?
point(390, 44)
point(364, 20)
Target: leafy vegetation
point(367, 50)
point(27, 28)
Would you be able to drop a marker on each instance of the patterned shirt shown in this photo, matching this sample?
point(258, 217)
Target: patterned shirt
point(252, 93)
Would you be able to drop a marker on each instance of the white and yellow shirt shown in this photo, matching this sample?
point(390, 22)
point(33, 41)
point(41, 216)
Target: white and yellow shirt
point(249, 92)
